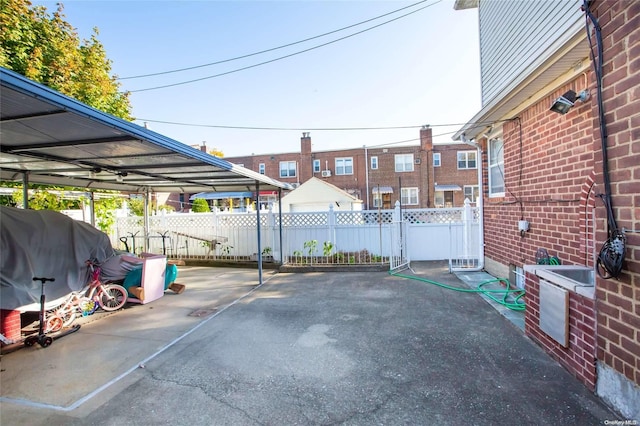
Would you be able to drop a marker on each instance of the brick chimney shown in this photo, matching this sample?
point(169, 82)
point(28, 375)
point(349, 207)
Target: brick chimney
point(203, 147)
point(306, 161)
point(426, 139)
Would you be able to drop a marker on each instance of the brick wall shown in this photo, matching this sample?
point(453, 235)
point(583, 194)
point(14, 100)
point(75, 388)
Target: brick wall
point(619, 300)
point(11, 325)
point(579, 358)
point(549, 164)
point(554, 177)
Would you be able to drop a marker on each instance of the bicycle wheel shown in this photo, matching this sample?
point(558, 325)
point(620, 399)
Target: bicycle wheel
point(113, 297)
point(53, 323)
point(66, 313)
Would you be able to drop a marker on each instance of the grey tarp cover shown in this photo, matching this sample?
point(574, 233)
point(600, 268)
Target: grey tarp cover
point(45, 244)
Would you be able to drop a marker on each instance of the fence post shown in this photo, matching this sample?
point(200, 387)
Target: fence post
point(331, 222)
point(467, 217)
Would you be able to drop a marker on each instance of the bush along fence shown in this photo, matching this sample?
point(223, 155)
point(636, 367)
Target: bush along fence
point(308, 238)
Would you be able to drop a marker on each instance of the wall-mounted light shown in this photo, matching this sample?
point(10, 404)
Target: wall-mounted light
point(563, 104)
point(120, 176)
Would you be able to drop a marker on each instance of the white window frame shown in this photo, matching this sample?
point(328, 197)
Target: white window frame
point(261, 168)
point(471, 192)
point(288, 171)
point(437, 160)
point(316, 166)
point(409, 196)
point(377, 200)
point(374, 162)
point(403, 163)
point(344, 166)
point(464, 156)
point(496, 167)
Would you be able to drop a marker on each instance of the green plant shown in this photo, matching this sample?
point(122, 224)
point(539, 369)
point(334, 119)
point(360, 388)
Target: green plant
point(352, 259)
point(339, 257)
point(310, 246)
point(225, 249)
point(200, 205)
point(297, 253)
point(266, 251)
point(327, 248)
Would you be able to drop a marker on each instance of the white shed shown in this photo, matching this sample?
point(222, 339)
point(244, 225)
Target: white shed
point(316, 195)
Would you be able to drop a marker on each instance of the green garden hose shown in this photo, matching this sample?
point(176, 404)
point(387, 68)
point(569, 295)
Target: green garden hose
point(515, 305)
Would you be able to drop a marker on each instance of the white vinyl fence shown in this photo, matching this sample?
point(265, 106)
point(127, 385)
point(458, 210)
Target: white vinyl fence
point(335, 237)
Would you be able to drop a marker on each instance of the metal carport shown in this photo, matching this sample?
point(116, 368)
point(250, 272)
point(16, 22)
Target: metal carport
point(49, 138)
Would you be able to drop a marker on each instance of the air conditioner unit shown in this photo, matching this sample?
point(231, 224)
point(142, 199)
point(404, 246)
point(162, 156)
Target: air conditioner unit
point(326, 173)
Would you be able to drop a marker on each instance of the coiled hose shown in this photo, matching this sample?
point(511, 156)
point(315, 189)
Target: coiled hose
point(516, 294)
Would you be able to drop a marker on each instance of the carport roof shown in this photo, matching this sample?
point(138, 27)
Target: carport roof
point(60, 141)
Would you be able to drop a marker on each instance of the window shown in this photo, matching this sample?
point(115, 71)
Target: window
point(344, 166)
point(466, 160)
point(316, 166)
point(443, 199)
point(409, 196)
point(436, 159)
point(404, 162)
point(471, 192)
point(374, 163)
point(496, 168)
point(261, 168)
point(287, 169)
point(377, 200)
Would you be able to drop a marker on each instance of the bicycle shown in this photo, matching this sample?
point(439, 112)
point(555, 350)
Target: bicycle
point(109, 297)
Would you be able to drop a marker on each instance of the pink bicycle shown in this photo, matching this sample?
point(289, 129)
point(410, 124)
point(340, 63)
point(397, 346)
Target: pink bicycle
point(109, 297)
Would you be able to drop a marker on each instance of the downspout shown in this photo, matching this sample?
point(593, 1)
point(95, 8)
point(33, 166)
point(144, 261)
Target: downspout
point(479, 203)
point(366, 173)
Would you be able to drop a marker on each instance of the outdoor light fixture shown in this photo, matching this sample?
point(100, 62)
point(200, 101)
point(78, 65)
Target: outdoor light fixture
point(563, 104)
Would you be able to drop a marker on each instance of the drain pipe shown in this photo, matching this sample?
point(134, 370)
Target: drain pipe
point(479, 203)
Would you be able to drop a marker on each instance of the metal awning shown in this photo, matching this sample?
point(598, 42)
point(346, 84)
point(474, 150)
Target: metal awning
point(53, 139)
point(448, 188)
point(221, 195)
point(382, 190)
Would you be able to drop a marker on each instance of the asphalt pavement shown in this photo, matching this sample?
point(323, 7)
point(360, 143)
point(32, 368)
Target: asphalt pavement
point(321, 348)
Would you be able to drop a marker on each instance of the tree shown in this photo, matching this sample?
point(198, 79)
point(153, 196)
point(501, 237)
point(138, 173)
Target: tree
point(47, 49)
point(200, 205)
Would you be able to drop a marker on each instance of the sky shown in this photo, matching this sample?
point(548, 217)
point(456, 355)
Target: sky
point(415, 70)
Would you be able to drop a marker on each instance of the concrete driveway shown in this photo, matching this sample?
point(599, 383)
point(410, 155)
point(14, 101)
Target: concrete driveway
point(319, 348)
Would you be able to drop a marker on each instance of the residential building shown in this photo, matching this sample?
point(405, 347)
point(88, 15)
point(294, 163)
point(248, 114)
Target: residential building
point(420, 176)
point(551, 174)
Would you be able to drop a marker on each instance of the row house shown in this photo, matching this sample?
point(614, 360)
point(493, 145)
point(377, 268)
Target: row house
point(419, 176)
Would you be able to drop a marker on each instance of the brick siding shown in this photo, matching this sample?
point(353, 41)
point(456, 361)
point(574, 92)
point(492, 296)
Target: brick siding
point(554, 177)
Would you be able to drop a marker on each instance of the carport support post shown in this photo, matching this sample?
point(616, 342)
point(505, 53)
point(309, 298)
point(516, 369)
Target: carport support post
point(280, 224)
point(145, 240)
point(258, 226)
point(25, 190)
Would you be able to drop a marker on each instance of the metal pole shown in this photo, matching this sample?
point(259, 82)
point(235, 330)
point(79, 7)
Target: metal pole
point(25, 190)
point(366, 171)
point(259, 241)
point(280, 224)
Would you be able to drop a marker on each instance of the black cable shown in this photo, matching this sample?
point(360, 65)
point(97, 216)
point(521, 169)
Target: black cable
point(303, 129)
point(281, 57)
point(611, 254)
point(270, 49)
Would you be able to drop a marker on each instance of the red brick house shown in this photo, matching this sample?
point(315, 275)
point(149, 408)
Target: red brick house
point(550, 167)
point(421, 176)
